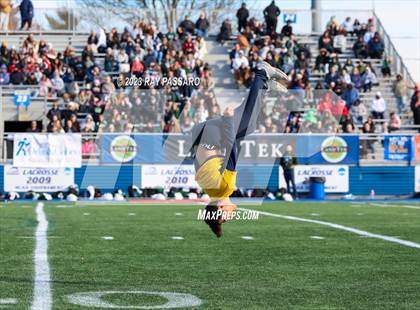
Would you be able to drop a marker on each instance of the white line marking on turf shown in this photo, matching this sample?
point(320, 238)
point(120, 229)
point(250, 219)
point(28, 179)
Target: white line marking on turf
point(341, 227)
point(131, 214)
point(86, 214)
point(315, 214)
point(177, 238)
point(178, 214)
point(42, 299)
point(247, 237)
point(385, 205)
point(8, 301)
point(317, 237)
point(108, 238)
point(94, 300)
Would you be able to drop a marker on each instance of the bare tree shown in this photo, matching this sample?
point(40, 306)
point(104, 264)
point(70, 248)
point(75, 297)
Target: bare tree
point(64, 20)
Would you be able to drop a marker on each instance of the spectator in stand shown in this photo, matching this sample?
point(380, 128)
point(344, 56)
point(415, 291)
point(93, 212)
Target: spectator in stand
point(376, 46)
point(225, 31)
point(394, 122)
point(369, 79)
point(5, 10)
point(17, 77)
point(271, 14)
point(359, 112)
point(347, 125)
point(356, 78)
point(242, 14)
point(188, 47)
point(340, 40)
point(360, 48)
point(378, 107)
point(415, 105)
point(4, 75)
point(350, 95)
point(386, 67)
point(357, 28)
point(322, 61)
point(187, 25)
point(33, 128)
point(331, 76)
point(369, 34)
point(54, 111)
point(287, 29)
point(401, 91)
point(348, 26)
point(367, 144)
point(326, 42)
point(26, 8)
point(202, 25)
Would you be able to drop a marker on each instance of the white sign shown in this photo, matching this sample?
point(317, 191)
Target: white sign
point(336, 177)
point(18, 179)
point(47, 150)
point(417, 179)
point(168, 176)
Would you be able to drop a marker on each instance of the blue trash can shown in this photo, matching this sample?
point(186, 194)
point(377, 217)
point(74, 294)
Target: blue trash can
point(317, 188)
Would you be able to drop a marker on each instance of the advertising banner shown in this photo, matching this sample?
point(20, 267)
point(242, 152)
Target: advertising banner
point(18, 179)
point(255, 149)
point(398, 147)
point(47, 150)
point(417, 179)
point(336, 177)
point(313, 149)
point(167, 176)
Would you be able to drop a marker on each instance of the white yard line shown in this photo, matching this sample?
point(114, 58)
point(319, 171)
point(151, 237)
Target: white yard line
point(341, 227)
point(385, 205)
point(42, 299)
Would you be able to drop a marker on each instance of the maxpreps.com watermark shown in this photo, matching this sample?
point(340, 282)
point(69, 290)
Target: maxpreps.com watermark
point(246, 215)
point(134, 81)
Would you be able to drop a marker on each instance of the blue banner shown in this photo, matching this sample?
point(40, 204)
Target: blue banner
point(398, 148)
point(315, 149)
point(256, 149)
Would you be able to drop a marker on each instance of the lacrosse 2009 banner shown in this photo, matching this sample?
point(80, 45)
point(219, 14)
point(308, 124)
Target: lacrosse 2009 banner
point(398, 148)
point(47, 150)
point(18, 179)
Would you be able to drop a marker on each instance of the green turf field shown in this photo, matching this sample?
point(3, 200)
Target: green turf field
point(284, 263)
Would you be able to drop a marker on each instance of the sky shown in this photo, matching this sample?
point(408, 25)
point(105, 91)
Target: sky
point(401, 19)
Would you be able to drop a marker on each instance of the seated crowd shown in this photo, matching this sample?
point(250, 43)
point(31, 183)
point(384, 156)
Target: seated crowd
point(334, 103)
point(98, 89)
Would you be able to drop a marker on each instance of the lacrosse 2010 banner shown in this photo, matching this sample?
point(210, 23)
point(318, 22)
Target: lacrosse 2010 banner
point(47, 150)
point(18, 179)
point(166, 176)
point(255, 149)
point(398, 147)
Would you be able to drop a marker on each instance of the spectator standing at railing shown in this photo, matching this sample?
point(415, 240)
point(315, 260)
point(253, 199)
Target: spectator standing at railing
point(401, 91)
point(33, 128)
point(271, 14)
point(242, 14)
point(202, 25)
point(378, 107)
point(5, 10)
point(26, 9)
point(394, 122)
point(415, 105)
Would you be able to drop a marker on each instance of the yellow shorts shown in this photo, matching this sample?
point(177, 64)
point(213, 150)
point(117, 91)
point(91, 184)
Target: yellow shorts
point(218, 186)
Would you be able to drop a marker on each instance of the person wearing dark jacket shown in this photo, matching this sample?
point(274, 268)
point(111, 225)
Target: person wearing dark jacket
point(187, 25)
point(242, 14)
point(415, 105)
point(287, 29)
point(26, 13)
point(271, 13)
point(202, 26)
point(225, 31)
point(287, 162)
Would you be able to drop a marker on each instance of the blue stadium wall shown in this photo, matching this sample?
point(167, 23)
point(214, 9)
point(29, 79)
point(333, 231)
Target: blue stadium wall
point(385, 180)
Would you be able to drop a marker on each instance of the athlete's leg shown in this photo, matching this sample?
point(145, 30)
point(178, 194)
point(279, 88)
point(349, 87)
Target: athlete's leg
point(246, 114)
